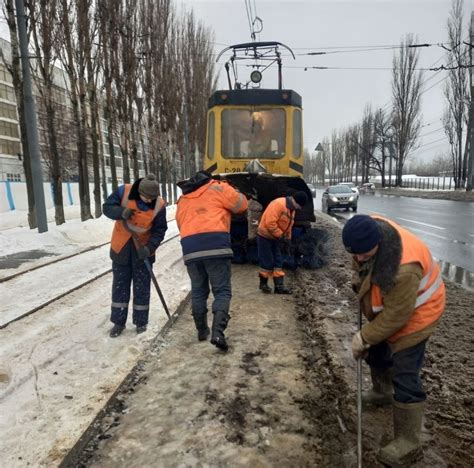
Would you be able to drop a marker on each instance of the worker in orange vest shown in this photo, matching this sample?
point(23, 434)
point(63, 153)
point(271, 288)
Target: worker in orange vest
point(274, 229)
point(203, 215)
point(402, 295)
point(139, 213)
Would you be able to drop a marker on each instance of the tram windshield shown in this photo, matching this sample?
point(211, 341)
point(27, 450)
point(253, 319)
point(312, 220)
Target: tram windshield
point(247, 133)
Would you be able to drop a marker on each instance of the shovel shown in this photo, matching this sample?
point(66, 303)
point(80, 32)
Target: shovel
point(138, 244)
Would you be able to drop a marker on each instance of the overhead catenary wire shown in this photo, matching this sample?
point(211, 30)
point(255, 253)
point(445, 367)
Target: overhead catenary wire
point(368, 49)
point(316, 67)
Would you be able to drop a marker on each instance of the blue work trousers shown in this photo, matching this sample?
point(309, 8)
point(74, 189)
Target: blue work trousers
point(123, 276)
point(405, 366)
point(270, 257)
point(207, 274)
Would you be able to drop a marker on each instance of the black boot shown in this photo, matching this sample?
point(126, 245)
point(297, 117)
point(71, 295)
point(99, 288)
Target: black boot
point(264, 285)
point(382, 389)
point(116, 331)
point(280, 287)
point(201, 326)
point(219, 324)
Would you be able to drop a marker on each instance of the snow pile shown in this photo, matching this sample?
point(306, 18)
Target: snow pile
point(58, 366)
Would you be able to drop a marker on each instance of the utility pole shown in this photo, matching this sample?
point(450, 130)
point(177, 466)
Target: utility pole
point(390, 163)
point(470, 169)
point(187, 156)
point(30, 118)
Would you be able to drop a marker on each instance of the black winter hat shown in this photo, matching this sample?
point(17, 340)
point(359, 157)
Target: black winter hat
point(301, 198)
point(149, 187)
point(361, 234)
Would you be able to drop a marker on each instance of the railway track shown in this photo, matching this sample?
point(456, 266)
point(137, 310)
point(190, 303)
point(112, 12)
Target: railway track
point(84, 446)
point(4, 322)
point(56, 260)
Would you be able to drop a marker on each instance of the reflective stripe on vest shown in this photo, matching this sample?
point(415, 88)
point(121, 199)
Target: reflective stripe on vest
point(426, 296)
point(431, 294)
point(423, 296)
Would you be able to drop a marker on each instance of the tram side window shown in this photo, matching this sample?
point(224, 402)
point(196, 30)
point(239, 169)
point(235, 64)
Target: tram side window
point(297, 129)
point(210, 135)
point(248, 133)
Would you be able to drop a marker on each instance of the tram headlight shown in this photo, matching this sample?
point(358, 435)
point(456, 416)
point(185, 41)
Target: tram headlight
point(256, 76)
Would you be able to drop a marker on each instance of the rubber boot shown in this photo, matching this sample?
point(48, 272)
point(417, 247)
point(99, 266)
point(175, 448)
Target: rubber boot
point(406, 446)
point(382, 389)
point(201, 326)
point(116, 331)
point(264, 285)
point(280, 287)
point(219, 324)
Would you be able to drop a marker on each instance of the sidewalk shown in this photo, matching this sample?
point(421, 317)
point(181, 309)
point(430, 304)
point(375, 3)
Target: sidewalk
point(201, 407)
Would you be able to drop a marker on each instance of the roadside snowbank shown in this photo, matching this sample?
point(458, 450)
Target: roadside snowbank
point(58, 366)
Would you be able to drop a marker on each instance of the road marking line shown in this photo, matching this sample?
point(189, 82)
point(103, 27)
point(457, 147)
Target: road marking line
point(428, 233)
point(424, 224)
point(455, 241)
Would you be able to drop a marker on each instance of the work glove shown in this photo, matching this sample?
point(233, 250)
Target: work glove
point(359, 347)
point(143, 252)
point(127, 213)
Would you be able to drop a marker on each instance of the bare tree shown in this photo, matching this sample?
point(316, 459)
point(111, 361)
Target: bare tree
point(43, 26)
point(74, 20)
point(450, 131)
point(89, 31)
point(455, 89)
point(406, 97)
point(15, 70)
point(109, 42)
point(383, 136)
point(367, 142)
point(470, 126)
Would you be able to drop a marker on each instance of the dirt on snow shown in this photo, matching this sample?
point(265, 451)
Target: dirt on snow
point(285, 393)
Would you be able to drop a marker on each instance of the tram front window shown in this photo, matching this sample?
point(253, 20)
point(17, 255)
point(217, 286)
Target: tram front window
point(253, 134)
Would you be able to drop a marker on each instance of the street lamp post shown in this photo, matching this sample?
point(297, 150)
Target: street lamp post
point(319, 148)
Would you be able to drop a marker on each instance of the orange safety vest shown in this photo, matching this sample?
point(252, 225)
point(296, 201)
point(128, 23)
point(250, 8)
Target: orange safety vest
point(431, 294)
point(209, 209)
point(277, 220)
point(140, 223)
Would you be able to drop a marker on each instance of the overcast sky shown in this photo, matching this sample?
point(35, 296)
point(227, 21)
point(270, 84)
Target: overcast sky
point(334, 99)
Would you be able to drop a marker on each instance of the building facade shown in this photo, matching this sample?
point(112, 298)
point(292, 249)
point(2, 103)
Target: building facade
point(11, 153)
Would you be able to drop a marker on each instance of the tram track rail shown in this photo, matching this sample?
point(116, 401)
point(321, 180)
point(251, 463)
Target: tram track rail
point(84, 447)
point(56, 260)
point(73, 289)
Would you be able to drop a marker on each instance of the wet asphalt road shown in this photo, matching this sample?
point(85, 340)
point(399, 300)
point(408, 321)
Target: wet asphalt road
point(446, 226)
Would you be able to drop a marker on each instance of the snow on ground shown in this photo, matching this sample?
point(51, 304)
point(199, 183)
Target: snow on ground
point(58, 366)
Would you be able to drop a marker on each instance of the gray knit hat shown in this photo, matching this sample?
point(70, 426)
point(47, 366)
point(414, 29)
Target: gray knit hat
point(149, 187)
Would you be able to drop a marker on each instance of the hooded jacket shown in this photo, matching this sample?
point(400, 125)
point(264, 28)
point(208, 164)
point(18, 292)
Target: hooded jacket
point(277, 219)
point(122, 249)
point(400, 290)
point(204, 214)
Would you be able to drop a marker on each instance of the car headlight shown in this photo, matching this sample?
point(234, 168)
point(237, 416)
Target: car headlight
point(333, 199)
point(352, 198)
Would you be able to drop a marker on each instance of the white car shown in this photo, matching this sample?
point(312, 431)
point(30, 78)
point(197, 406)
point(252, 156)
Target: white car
point(353, 187)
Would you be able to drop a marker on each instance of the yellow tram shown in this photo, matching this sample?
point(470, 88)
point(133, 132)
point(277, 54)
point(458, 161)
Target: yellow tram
point(255, 138)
